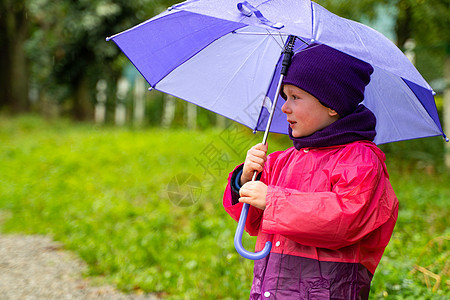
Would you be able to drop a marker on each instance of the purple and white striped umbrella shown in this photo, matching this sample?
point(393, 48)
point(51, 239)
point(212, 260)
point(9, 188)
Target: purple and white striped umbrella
point(224, 55)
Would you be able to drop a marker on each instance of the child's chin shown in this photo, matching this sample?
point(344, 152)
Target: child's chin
point(296, 134)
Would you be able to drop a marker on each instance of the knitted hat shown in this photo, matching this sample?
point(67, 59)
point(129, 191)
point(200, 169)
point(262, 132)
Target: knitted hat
point(336, 79)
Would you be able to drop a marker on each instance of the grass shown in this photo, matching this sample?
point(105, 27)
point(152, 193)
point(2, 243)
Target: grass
point(117, 197)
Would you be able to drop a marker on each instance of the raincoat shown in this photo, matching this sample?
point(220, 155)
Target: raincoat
point(330, 213)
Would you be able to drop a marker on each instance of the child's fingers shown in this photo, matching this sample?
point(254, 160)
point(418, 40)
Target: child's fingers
point(257, 154)
point(256, 160)
point(261, 146)
point(245, 199)
point(259, 150)
point(256, 157)
point(245, 192)
point(249, 189)
point(249, 200)
point(253, 194)
point(252, 164)
point(251, 167)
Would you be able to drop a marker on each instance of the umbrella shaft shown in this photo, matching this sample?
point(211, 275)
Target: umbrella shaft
point(272, 111)
point(288, 53)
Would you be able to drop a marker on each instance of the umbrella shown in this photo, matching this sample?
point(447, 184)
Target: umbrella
point(226, 56)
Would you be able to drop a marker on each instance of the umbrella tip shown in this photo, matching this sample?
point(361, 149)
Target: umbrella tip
point(446, 138)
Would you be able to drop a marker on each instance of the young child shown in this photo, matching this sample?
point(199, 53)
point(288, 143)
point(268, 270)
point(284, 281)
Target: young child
point(326, 203)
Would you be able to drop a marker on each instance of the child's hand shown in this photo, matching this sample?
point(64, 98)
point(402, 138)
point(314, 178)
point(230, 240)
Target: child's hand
point(256, 157)
point(254, 193)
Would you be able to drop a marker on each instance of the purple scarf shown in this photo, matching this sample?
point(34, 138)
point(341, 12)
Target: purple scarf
point(357, 126)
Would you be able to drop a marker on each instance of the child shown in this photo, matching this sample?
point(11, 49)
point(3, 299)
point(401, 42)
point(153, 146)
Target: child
point(326, 203)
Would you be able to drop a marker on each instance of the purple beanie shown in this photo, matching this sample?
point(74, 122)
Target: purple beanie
point(336, 79)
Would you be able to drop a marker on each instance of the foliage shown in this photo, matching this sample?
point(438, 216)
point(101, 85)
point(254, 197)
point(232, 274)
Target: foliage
point(104, 192)
point(13, 75)
point(425, 22)
point(66, 52)
point(420, 239)
point(67, 43)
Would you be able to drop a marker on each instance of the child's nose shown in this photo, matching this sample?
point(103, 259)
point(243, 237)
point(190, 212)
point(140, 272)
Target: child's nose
point(285, 108)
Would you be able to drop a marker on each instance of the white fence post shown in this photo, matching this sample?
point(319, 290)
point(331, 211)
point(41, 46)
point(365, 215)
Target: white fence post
point(121, 111)
point(169, 111)
point(139, 100)
point(191, 115)
point(100, 106)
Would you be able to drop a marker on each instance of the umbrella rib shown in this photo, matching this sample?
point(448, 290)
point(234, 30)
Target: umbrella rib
point(259, 33)
point(312, 20)
point(347, 22)
point(281, 37)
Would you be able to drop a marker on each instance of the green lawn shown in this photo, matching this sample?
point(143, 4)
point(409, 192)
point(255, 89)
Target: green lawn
point(143, 207)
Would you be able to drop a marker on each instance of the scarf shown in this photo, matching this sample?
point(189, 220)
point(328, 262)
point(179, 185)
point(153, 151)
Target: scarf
point(357, 126)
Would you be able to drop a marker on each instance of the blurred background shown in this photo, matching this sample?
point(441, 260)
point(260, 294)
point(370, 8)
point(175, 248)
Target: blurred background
point(89, 155)
point(55, 61)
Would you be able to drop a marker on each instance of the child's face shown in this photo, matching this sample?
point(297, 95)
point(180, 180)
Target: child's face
point(305, 113)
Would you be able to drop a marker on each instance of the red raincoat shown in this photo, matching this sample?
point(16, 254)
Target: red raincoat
point(330, 214)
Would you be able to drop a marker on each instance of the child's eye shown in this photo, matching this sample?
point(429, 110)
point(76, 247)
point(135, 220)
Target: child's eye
point(292, 97)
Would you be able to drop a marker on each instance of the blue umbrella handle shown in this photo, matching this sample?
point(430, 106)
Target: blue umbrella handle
point(238, 238)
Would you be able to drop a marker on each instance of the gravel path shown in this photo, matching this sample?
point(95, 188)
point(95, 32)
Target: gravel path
point(35, 267)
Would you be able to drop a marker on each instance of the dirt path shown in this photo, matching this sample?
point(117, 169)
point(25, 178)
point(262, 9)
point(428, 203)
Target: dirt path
point(35, 267)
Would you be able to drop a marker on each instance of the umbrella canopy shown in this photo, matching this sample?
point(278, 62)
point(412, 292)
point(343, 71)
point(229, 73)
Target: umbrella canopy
point(225, 56)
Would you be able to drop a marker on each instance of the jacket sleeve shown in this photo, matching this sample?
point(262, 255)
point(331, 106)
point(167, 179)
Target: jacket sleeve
point(360, 201)
point(233, 207)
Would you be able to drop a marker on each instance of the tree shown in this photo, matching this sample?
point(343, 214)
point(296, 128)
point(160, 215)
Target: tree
point(13, 62)
point(66, 45)
point(425, 22)
point(74, 33)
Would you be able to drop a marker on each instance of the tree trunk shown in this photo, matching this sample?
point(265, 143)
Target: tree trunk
point(13, 62)
point(82, 106)
point(403, 24)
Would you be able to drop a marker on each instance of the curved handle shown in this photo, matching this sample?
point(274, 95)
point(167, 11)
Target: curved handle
point(238, 238)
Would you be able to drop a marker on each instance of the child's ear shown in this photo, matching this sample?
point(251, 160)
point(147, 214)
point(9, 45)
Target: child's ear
point(332, 113)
